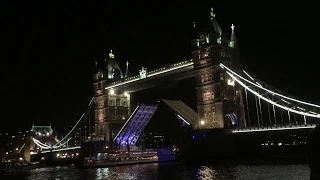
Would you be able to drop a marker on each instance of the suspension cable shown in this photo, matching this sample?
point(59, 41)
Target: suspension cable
point(245, 90)
point(274, 115)
point(281, 116)
point(269, 91)
point(260, 110)
point(83, 115)
point(257, 110)
point(269, 114)
point(289, 117)
point(269, 101)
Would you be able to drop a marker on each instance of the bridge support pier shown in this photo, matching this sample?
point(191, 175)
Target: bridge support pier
point(208, 145)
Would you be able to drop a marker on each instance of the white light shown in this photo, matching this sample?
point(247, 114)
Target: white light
point(183, 119)
point(271, 102)
point(259, 84)
point(63, 149)
point(17, 149)
point(301, 108)
point(230, 82)
point(58, 155)
point(274, 129)
point(248, 75)
point(20, 159)
point(202, 122)
point(126, 94)
point(285, 101)
point(107, 147)
point(111, 92)
point(271, 92)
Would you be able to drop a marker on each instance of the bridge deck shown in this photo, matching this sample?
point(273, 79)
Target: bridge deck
point(184, 111)
point(130, 132)
point(274, 128)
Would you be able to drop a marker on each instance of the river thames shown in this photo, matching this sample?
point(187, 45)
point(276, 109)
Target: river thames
point(167, 171)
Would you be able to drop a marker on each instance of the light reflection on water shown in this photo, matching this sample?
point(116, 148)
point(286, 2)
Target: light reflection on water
point(168, 171)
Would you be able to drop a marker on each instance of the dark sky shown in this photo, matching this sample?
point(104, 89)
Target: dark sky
point(46, 68)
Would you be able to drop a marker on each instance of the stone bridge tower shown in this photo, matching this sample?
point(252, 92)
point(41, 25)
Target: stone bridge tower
point(219, 99)
point(112, 107)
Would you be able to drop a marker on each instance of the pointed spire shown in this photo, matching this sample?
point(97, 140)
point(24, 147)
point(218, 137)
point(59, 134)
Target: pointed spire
point(127, 70)
point(212, 14)
point(233, 37)
point(215, 23)
point(111, 55)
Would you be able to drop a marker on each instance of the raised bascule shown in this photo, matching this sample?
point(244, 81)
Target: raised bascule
point(223, 91)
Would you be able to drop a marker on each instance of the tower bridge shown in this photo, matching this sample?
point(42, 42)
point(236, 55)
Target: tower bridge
point(222, 90)
point(225, 96)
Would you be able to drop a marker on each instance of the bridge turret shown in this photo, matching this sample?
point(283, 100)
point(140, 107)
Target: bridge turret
point(127, 70)
point(217, 97)
point(233, 37)
point(195, 38)
point(233, 44)
point(114, 71)
point(101, 126)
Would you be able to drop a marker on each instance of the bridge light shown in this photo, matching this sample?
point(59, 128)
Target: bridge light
point(230, 82)
point(126, 94)
point(202, 122)
point(111, 92)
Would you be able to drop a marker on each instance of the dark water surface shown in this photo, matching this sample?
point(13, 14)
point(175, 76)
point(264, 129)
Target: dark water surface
point(167, 171)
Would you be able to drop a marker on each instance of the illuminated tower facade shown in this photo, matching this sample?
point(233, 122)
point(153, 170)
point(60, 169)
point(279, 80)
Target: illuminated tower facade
point(219, 99)
point(119, 100)
point(112, 107)
point(101, 125)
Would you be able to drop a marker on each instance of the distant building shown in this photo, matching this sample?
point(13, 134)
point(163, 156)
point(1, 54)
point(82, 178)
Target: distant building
point(42, 130)
point(18, 147)
point(156, 140)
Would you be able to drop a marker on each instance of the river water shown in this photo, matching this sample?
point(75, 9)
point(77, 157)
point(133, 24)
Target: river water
point(168, 171)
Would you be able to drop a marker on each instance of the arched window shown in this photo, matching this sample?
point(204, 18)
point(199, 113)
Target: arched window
point(99, 85)
point(117, 102)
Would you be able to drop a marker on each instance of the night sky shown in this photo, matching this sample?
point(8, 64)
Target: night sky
point(50, 49)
